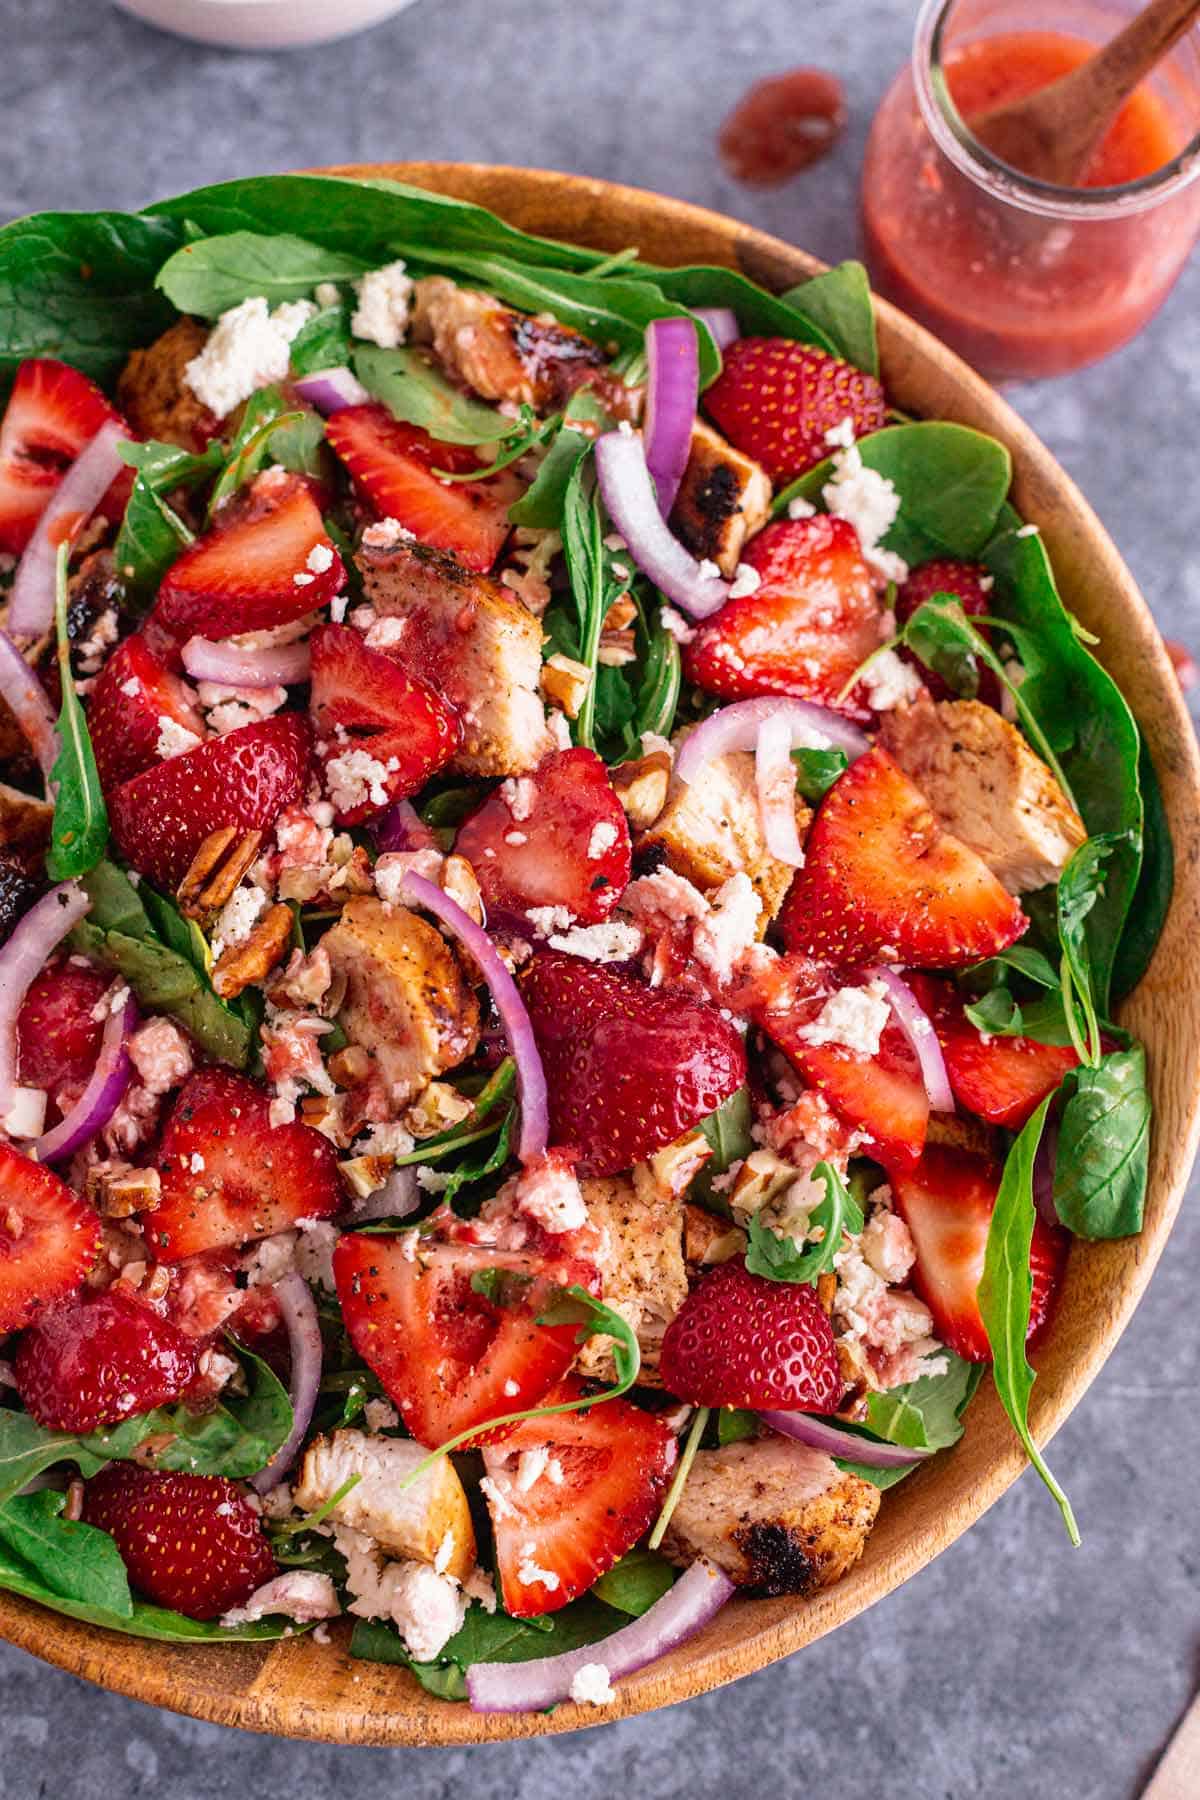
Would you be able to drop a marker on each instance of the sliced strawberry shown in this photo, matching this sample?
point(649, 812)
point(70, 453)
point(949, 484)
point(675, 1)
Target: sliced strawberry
point(603, 1474)
point(393, 466)
point(565, 844)
point(53, 411)
point(160, 819)
point(805, 630)
point(58, 1040)
point(133, 694)
point(365, 705)
point(450, 1357)
point(48, 1239)
point(629, 1068)
point(265, 561)
point(229, 1175)
point(741, 1340)
point(193, 1543)
point(99, 1360)
point(775, 399)
point(1001, 1079)
point(947, 1202)
point(970, 584)
point(882, 877)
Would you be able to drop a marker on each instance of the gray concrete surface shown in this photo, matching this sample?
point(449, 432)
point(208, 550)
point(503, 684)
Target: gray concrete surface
point(1013, 1667)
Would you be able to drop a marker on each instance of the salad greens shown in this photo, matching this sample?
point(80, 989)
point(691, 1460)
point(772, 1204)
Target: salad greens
point(925, 1414)
point(152, 534)
point(780, 1258)
point(79, 831)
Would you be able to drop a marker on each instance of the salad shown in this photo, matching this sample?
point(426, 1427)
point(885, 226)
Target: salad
point(565, 878)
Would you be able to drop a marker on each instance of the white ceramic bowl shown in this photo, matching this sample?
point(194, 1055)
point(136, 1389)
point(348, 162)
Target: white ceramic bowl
point(263, 24)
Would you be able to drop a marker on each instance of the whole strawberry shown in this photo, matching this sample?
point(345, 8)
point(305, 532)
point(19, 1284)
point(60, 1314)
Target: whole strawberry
point(741, 1340)
point(970, 585)
point(775, 399)
point(100, 1360)
point(190, 1542)
point(629, 1068)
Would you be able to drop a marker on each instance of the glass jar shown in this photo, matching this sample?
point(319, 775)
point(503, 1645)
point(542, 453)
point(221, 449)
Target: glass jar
point(1022, 277)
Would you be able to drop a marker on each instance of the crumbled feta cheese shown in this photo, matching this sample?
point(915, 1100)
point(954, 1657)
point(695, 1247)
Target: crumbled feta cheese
point(868, 501)
point(530, 1575)
point(853, 1017)
point(1027, 531)
point(427, 1608)
point(546, 919)
point(26, 1115)
point(887, 1247)
point(591, 1685)
point(746, 580)
point(299, 1594)
point(709, 570)
point(800, 508)
point(228, 708)
point(91, 652)
point(444, 1555)
point(531, 1466)
point(237, 918)
point(132, 687)
point(480, 1586)
point(314, 1252)
point(559, 729)
point(355, 777)
point(674, 622)
point(890, 682)
point(320, 558)
point(248, 348)
point(519, 794)
point(612, 941)
point(549, 1192)
point(385, 534)
point(384, 299)
point(385, 634)
point(497, 1497)
point(173, 738)
point(380, 1415)
point(722, 937)
point(841, 435)
point(161, 1054)
point(603, 838)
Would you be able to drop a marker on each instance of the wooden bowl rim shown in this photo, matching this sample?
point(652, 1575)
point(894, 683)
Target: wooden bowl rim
point(306, 1690)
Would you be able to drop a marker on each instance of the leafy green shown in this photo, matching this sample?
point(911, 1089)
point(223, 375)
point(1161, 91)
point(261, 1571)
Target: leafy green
point(152, 534)
point(839, 302)
point(1044, 1020)
point(593, 587)
point(79, 830)
point(817, 770)
point(734, 1424)
point(76, 1561)
point(1156, 881)
point(292, 436)
point(542, 503)
point(1005, 1294)
point(479, 1167)
point(1101, 1163)
point(780, 1258)
point(1079, 888)
point(759, 314)
point(922, 1415)
point(727, 1132)
point(636, 1582)
point(212, 274)
point(489, 1637)
point(324, 343)
point(482, 1121)
point(413, 388)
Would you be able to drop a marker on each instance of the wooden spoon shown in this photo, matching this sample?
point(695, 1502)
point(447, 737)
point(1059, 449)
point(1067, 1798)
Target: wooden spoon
point(1053, 133)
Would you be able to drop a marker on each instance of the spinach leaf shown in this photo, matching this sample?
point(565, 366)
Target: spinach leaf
point(324, 343)
point(79, 831)
point(817, 770)
point(727, 1132)
point(735, 1424)
point(782, 1259)
point(413, 389)
point(657, 699)
point(1156, 881)
point(759, 314)
point(76, 1561)
point(152, 534)
point(211, 274)
point(1103, 1147)
point(1043, 1020)
point(483, 1121)
point(1079, 888)
point(839, 302)
point(922, 1415)
point(1030, 963)
point(951, 482)
point(636, 1582)
point(293, 437)
point(542, 503)
point(178, 933)
point(1005, 1293)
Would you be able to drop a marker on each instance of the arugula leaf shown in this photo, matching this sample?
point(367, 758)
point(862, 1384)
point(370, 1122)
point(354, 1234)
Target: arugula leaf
point(472, 1169)
point(414, 389)
point(152, 534)
point(76, 1561)
point(1101, 1164)
point(1079, 888)
point(923, 1415)
point(657, 698)
point(1005, 1294)
point(636, 1582)
point(79, 831)
point(839, 302)
point(780, 1258)
point(734, 1424)
point(817, 770)
point(591, 588)
point(211, 274)
point(1155, 885)
point(542, 503)
point(292, 436)
point(324, 343)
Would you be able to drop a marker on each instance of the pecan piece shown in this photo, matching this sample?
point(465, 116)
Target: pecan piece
point(565, 682)
point(216, 869)
point(242, 964)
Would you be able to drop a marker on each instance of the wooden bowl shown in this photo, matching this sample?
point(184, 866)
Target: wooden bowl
point(303, 1689)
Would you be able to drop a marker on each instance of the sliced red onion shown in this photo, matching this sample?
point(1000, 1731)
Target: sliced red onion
point(401, 827)
point(531, 1077)
point(79, 493)
point(775, 781)
point(304, 1342)
point(736, 727)
point(398, 1197)
point(103, 1094)
point(278, 665)
point(684, 1609)
point(329, 390)
point(919, 1029)
point(722, 324)
point(819, 1434)
point(36, 937)
point(672, 394)
point(629, 495)
point(27, 698)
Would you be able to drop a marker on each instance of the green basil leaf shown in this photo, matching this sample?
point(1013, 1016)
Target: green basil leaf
point(839, 301)
point(1102, 1160)
point(413, 389)
point(211, 274)
point(634, 1584)
point(79, 831)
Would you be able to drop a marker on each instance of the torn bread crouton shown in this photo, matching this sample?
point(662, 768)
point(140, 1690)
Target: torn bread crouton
point(153, 395)
point(415, 1522)
point(723, 499)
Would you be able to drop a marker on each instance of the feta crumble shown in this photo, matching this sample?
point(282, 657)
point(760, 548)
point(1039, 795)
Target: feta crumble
point(746, 580)
point(868, 501)
point(591, 1685)
point(248, 348)
point(674, 622)
point(384, 300)
point(853, 1017)
point(613, 941)
point(237, 918)
point(603, 838)
point(890, 682)
point(549, 1193)
point(173, 738)
point(354, 778)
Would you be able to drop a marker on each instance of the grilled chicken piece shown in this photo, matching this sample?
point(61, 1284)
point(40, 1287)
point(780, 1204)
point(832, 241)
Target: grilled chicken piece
point(775, 1515)
point(153, 395)
point(723, 499)
point(641, 1264)
point(502, 354)
point(476, 643)
point(407, 1001)
point(708, 1238)
point(987, 787)
point(412, 1523)
point(712, 828)
point(24, 825)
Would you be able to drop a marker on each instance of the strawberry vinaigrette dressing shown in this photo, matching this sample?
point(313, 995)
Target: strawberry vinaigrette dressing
point(1022, 278)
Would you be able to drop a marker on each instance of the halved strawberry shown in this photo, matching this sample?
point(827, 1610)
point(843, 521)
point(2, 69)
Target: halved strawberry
point(229, 1175)
point(947, 1202)
point(882, 877)
point(966, 581)
point(741, 1340)
point(448, 1356)
point(603, 1474)
point(100, 1360)
point(393, 466)
point(775, 399)
point(629, 1068)
point(192, 1543)
point(1000, 1079)
point(53, 411)
point(265, 561)
point(58, 1040)
point(133, 693)
point(805, 630)
point(565, 844)
point(160, 819)
point(48, 1239)
point(364, 702)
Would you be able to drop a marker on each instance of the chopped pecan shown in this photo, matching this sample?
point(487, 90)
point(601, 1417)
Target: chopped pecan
point(566, 682)
point(458, 880)
point(856, 1373)
point(617, 649)
point(241, 964)
point(326, 1113)
point(365, 1175)
point(437, 1108)
point(641, 787)
point(122, 1192)
point(217, 867)
point(826, 1289)
point(709, 1239)
point(621, 613)
point(348, 1066)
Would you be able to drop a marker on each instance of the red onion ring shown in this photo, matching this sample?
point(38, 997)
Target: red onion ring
point(396, 1199)
point(775, 783)
point(919, 1029)
point(672, 394)
point(26, 696)
point(721, 322)
point(736, 727)
point(401, 827)
point(684, 1609)
point(531, 1077)
point(329, 390)
point(304, 1342)
point(103, 1094)
point(820, 1435)
point(281, 665)
point(79, 493)
point(629, 495)
point(39, 933)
